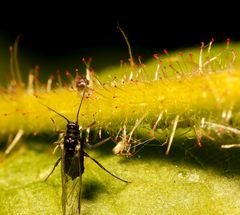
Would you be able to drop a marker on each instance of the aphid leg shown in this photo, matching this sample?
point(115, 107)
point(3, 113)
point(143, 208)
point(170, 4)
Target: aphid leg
point(59, 143)
point(61, 135)
point(89, 146)
point(87, 142)
point(172, 134)
point(137, 123)
point(143, 145)
point(56, 147)
point(54, 167)
point(14, 142)
point(92, 124)
point(87, 136)
point(102, 167)
point(119, 131)
point(55, 127)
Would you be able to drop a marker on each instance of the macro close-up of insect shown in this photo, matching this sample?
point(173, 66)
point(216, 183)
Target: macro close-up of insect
point(72, 165)
point(156, 102)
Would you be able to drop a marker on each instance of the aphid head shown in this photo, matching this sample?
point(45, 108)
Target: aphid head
point(73, 126)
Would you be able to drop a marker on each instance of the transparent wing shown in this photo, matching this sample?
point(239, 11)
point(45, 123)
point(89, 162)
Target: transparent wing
point(72, 169)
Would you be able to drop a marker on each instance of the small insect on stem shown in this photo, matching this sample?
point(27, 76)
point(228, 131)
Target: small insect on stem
point(72, 164)
point(123, 147)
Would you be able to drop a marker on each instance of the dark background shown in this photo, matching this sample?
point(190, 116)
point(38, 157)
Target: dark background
point(60, 34)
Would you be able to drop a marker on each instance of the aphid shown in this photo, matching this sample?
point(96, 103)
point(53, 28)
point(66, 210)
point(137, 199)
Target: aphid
point(124, 146)
point(72, 165)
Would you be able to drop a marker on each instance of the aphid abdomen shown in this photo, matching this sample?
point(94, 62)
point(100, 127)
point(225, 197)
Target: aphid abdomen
point(73, 158)
point(72, 167)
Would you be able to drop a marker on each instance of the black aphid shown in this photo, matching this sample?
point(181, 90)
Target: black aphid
point(72, 161)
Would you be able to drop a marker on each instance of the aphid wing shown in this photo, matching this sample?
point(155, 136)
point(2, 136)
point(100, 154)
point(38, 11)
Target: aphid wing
point(71, 183)
point(63, 183)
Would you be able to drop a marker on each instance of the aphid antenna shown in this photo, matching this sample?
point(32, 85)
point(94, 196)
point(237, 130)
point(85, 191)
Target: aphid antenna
point(79, 107)
point(118, 133)
point(68, 121)
point(124, 133)
point(143, 144)
point(137, 123)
